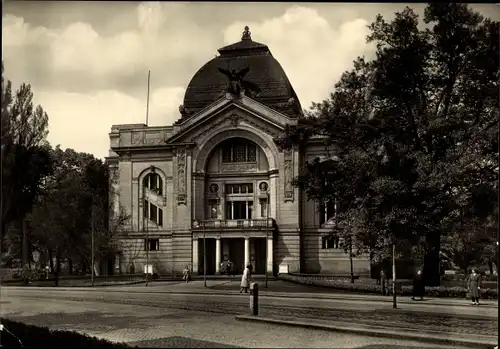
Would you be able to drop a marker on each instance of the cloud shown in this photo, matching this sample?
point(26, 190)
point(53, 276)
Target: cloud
point(88, 79)
point(312, 51)
point(82, 121)
point(155, 41)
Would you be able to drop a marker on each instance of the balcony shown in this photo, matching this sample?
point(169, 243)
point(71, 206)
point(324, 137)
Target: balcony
point(220, 224)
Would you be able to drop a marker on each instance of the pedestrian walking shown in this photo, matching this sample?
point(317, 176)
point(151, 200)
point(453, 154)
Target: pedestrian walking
point(418, 285)
point(186, 275)
point(384, 283)
point(473, 286)
point(228, 268)
point(245, 279)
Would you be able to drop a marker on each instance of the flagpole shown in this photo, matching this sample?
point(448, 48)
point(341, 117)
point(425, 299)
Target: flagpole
point(147, 105)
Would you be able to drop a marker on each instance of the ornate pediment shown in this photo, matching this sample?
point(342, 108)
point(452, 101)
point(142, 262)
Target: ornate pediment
point(235, 113)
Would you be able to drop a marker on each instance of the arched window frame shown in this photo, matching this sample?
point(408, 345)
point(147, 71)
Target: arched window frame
point(144, 180)
point(153, 182)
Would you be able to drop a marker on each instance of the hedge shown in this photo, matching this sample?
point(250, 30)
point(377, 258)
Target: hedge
point(404, 290)
point(35, 336)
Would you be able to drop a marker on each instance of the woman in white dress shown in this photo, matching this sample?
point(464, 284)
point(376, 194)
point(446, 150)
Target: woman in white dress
point(245, 279)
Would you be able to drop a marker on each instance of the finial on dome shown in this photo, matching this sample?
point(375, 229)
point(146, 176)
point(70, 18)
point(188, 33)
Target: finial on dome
point(247, 35)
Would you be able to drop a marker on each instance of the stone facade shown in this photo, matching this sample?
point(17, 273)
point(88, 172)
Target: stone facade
point(218, 175)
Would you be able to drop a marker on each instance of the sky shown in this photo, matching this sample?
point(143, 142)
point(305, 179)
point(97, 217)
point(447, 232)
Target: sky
point(87, 62)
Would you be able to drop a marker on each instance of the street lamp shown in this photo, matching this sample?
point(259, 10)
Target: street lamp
point(267, 235)
point(350, 259)
point(92, 243)
point(145, 226)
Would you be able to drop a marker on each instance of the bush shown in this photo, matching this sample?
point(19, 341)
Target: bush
point(402, 289)
point(35, 336)
point(33, 274)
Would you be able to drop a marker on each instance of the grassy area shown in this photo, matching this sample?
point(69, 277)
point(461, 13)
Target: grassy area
point(35, 336)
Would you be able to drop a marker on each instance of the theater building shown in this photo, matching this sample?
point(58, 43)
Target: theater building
point(217, 174)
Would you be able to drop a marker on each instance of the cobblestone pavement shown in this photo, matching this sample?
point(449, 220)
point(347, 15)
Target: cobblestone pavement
point(357, 312)
point(152, 322)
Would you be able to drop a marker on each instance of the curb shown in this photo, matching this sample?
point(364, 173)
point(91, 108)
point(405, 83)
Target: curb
point(382, 332)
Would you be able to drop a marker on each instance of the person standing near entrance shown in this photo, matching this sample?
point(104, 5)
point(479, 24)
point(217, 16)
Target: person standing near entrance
point(245, 279)
point(474, 285)
point(186, 274)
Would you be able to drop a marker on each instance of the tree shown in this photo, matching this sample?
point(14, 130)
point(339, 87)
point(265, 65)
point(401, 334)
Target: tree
point(74, 209)
point(413, 131)
point(24, 154)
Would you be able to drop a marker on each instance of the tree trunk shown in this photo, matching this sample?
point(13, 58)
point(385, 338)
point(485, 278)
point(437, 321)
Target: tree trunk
point(432, 273)
point(3, 232)
point(51, 260)
point(490, 266)
point(70, 266)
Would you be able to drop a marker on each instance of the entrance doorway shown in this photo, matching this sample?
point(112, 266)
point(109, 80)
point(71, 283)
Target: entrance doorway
point(260, 256)
point(210, 256)
point(236, 253)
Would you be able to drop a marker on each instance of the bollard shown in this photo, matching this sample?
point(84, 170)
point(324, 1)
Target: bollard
point(254, 298)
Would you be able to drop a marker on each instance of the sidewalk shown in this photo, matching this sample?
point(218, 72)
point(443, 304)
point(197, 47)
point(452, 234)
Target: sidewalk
point(458, 338)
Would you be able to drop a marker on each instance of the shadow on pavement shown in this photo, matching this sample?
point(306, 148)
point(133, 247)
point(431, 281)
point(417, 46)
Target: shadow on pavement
point(178, 342)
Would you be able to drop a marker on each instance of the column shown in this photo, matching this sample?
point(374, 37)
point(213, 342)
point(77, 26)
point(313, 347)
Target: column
point(217, 256)
point(247, 251)
point(195, 256)
point(269, 256)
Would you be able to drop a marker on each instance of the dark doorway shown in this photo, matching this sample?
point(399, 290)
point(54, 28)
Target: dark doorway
point(260, 256)
point(210, 256)
point(237, 254)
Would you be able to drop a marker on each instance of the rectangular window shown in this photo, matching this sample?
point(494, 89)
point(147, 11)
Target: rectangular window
point(153, 213)
point(246, 188)
point(160, 217)
point(146, 209)
point(151, 244)
point(329, 242)
point(239, 209)
point(226, 154)
point(240, 153)
point(229, 214)
point(327, 211)
point(252, 153)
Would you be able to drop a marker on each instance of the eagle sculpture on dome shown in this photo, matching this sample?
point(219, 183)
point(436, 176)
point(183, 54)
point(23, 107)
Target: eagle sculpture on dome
point(236, 84)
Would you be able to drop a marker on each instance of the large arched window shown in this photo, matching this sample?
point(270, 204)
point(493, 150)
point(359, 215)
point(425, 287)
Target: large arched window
point(153, 182)
point(239, 150)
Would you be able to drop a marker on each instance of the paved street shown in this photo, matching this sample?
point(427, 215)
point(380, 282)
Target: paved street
point(161, 315)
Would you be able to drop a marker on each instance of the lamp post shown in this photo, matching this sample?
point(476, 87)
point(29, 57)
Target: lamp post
point(204, 255)
point(267, 235)
point(394, 301)
point(92, 243)
point(350, 259)
point(145, 223)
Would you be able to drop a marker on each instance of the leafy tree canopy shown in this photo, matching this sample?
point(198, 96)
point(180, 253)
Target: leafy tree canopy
point(412, 135)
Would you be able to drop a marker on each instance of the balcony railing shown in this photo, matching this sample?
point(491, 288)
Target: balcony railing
point(233, 223)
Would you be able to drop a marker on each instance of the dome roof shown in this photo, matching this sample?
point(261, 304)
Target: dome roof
point(209, 84)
